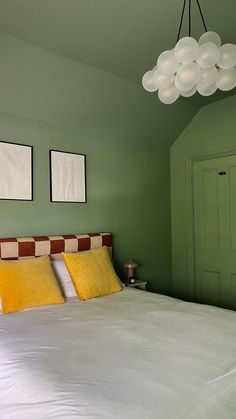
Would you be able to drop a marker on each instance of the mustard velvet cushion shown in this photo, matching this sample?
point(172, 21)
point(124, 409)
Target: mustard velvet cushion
point(28, 283)
point(92, 273)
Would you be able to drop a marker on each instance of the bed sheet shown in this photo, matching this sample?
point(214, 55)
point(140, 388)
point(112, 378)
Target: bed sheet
point(130, 355)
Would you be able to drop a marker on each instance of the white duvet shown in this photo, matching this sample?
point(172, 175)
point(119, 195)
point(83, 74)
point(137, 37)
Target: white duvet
point(131, 355)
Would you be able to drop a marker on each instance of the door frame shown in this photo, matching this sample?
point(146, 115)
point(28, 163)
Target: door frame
point(190, 209)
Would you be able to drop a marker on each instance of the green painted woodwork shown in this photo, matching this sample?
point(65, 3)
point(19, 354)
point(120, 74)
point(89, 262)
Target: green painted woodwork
point(214, 231)
point(121, 36)
point(210, 135)
point(52, 102)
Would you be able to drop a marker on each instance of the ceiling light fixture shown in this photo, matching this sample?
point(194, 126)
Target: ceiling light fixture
point(192, 66)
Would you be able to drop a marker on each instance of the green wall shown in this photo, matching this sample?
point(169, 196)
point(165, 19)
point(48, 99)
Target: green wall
point(52, 102)
point(211, 133)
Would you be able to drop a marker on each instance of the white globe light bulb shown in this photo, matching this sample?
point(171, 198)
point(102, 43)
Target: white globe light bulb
point(190, 92)
point(148, 82)
point(227, 58)
point(188, 75)
point(207, 91)
point(167, 62)
point(207, 77)
point(168, 95)
point(226, 79)
point(186, 50)
point(161, 79)
point(209, 55)
point(210, 36)
point(180, 87)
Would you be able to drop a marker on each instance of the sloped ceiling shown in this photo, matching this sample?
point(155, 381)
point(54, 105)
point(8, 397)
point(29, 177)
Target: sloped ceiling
point(123, 37)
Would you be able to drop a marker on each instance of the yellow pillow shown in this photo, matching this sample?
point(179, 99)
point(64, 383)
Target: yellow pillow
point(28, 283)
point(92, 273)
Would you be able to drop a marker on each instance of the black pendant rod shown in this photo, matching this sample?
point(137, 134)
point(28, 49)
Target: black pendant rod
point(190, 17)
point(181, 20)
point(201, 14)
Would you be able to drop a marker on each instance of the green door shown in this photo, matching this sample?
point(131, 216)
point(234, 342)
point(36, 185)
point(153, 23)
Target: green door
point(215, 231)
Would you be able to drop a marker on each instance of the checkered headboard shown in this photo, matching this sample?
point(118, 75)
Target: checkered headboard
point(30, 247)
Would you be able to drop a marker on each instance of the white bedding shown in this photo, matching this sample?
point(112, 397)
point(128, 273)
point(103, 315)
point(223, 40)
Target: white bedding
point(131, 355)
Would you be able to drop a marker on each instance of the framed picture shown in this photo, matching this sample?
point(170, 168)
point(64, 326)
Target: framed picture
point(16, 171)
point(67, 177)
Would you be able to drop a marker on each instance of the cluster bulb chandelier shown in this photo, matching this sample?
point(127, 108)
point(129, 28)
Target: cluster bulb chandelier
point(201, 66)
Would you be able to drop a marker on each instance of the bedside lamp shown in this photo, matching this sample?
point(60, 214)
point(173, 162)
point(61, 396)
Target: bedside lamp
point(130, 265)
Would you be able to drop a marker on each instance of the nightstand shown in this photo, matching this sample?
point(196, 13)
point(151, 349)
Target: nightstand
point(138, 284)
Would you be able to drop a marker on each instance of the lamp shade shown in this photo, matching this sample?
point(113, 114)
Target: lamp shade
point(130, 263)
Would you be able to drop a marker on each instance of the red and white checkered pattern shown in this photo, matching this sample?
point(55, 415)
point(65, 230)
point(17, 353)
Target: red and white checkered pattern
point(30, 247)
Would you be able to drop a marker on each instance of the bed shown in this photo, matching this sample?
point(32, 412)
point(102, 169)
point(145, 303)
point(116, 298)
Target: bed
point(130, 355)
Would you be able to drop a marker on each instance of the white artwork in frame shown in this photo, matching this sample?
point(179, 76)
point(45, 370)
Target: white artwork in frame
point(67, 177)
point(16, 172)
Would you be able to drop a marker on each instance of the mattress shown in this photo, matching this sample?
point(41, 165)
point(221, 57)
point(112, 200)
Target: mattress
point(130, 355)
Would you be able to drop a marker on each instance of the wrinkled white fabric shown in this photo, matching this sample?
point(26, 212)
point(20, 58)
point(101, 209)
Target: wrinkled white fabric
point(130, 355)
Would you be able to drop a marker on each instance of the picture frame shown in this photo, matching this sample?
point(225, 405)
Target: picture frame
point(16, 171)
point(67, 177)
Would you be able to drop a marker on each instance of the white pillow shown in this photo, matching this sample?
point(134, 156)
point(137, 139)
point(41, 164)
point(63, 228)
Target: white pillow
point(64, 279)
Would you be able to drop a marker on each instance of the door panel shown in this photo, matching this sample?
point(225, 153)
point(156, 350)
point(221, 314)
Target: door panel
point(232, 207)
point(212, 288)
point(214, 184)
point(229, 292)
point(210, 210)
